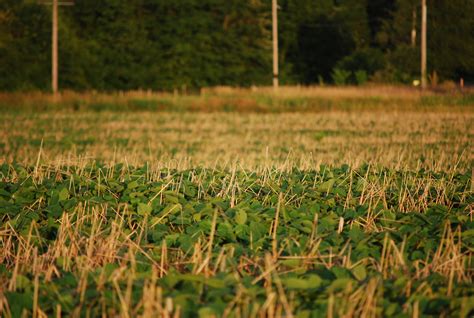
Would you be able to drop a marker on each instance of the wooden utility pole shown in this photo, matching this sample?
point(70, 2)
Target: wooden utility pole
point(54, 46)
point(275, 43)
point(424, 14)
point(54, 42)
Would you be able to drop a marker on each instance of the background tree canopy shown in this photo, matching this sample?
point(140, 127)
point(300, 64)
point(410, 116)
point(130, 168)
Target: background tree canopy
point(162, 45)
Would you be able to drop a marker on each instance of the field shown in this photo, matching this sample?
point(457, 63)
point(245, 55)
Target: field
point(309, 203)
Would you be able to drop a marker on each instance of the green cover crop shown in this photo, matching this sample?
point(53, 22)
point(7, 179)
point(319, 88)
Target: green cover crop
point(116, 240)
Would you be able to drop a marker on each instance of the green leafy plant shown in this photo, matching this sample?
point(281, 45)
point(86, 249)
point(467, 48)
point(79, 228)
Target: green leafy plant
point(361, 77)
point(340, 77)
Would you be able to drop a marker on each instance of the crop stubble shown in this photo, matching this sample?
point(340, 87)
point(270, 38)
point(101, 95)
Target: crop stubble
point(230, 214)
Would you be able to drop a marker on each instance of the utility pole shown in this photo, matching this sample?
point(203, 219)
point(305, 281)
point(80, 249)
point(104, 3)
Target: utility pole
point(424, 14)
point(54, 46)
point(54, 42)
point(413, 28)
point(275, 43)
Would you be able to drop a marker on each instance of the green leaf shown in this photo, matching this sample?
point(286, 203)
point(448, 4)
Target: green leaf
point(63, 194)
point(206, 312)
point(22, 281)
point(190, 190)
point(293, 263)
point(340, 284)
point(295, 283)
point(359, 272)
point(356, 234)
point(304, 314)
point(468, 234)
point(144, 209)
point(312, 281)
point(19, 302)
point(225, 231)
point(327, 186)
point(241, 217)
point(132, 185)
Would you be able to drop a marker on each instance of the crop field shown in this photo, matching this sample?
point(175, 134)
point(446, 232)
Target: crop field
point(304, 208)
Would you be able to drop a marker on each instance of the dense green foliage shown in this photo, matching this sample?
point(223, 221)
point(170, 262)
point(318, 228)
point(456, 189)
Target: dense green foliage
point(165, 45)
point(385, 249)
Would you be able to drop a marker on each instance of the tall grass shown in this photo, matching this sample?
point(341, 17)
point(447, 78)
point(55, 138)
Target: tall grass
point(286, 99)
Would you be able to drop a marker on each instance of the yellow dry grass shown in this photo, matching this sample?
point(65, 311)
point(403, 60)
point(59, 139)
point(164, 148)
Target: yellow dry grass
point(431, 140)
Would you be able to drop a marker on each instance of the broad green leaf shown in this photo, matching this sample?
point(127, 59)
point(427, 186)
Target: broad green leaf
point(241, 217)
point(359, 272)
point(312, 281)
point(295, 283)
point(63, 194)
point(327, 186)
point(340, 284)
point(22, 282)
point(206, 312)
point(132, 185)
point(144, 209)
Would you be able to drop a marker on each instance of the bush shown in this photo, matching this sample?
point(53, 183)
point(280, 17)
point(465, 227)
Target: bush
point(361, 77)
point(340, 76)
point(403, 65)
point(368, 60)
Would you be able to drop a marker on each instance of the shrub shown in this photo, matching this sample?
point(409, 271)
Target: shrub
point(361, 77)
point(403, 65)
point(369, 60)
point(340, 76)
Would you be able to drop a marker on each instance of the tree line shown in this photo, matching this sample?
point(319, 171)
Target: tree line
point(165, 45)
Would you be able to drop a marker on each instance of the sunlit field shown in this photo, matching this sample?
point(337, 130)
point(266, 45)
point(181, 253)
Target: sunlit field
point(322, 202)
point(401, 140)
